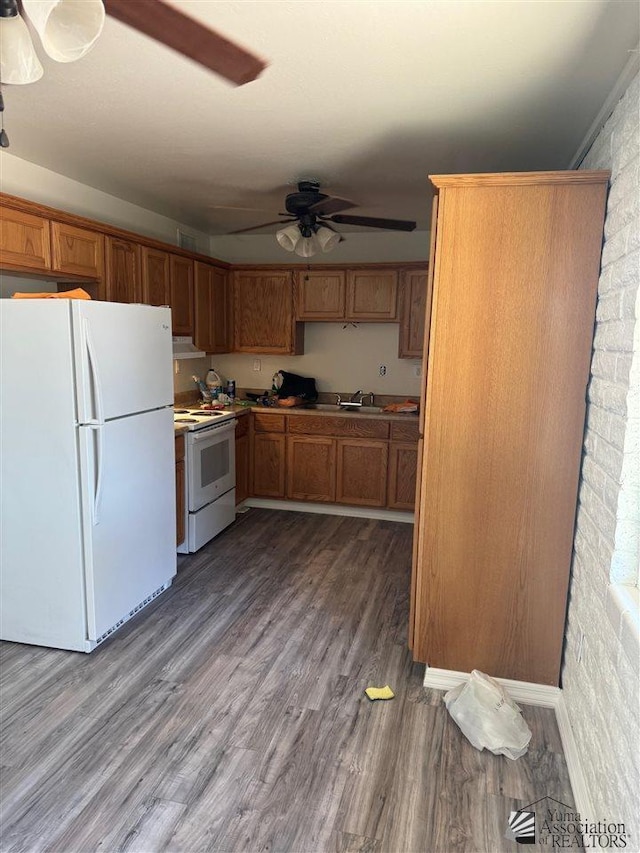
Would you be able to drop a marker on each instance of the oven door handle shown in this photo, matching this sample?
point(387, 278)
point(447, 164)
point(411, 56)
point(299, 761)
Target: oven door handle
point(217, 432)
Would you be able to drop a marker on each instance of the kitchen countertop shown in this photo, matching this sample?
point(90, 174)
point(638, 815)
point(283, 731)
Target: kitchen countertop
point(334, 412)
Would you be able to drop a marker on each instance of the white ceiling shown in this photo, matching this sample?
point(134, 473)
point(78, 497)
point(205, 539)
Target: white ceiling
point(367, 96)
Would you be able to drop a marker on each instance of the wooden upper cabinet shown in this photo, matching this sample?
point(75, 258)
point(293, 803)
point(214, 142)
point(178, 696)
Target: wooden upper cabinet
point(320, 294)
point(77, 251)
point(372, 295)
point(123, 282)
point(212, 298)
point(414, 311)
point(264, 314)
point(155, 276)
point(181, 294)
point(24, 241)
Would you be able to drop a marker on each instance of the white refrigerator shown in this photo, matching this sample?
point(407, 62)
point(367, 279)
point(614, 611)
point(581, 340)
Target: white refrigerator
point(87, 470)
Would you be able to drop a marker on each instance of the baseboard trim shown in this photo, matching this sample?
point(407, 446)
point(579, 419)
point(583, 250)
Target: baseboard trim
point(544, 696)
point(527, 692)
point(332, 509)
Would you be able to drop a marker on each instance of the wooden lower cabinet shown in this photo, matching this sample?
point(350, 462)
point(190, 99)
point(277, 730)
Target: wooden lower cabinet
point(362, 472)
point(311, 468)
point(401, 484)
point(269, 465)
point(242, 458)
point(180, 490)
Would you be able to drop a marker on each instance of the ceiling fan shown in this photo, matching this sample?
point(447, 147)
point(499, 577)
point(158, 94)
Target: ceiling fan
point(311, 214)
point(69, 28)
point(168, 25)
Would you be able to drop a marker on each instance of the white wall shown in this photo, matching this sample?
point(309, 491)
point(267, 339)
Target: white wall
point(363, 247)
point(21, 178)
point(340, 359)
point(10, 284)
point(601, 666)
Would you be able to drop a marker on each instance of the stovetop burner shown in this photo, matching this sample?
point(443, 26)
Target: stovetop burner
point(181, 411)
point(185, 420)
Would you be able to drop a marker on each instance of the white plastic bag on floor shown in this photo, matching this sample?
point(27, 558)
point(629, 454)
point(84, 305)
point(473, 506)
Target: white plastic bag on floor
point(488, 717)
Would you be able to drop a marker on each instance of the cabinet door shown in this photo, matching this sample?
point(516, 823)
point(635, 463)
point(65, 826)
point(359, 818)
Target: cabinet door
point(414, 311)
point(123, 271)
point(320, 295)
point(77, 251)
point(181, 294)
point(24, 241)
point(372, 295)
point(263, 313)
point(242, 468)
point(403, 463)
point(155, 277)
point(212, 309)
point(311, 468)
point(362, 472)
point(268, 465)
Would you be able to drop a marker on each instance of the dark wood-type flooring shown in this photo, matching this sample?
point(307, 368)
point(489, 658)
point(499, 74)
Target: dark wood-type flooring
point(230, 716)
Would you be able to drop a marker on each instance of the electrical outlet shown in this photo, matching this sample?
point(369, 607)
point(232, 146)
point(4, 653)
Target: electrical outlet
point(383, 370)
point(257, 365)
point(417, 371)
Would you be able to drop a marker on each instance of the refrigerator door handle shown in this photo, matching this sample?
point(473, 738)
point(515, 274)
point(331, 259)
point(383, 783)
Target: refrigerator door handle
point(99, 464)
point(95, 376)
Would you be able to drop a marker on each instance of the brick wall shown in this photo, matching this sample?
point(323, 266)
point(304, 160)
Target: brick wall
point(600, 674)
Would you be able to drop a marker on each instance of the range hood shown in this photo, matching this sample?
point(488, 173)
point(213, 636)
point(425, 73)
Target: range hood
point(184, 348)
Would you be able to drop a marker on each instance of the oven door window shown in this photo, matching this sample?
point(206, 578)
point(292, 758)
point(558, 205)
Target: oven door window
point(214, 463)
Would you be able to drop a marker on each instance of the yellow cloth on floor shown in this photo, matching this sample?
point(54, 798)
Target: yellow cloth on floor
point(380, 692)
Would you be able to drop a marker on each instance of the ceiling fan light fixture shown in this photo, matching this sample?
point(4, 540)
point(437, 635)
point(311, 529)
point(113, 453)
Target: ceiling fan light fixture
point(306, 247)
point(327, 238)
point(67, 28)
point(19, 63)
point(288, 237)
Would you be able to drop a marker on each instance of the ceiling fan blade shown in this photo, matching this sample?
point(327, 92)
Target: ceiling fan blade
point(372, 222)
point(264, 225)
point(327, 206)
point(169, 26)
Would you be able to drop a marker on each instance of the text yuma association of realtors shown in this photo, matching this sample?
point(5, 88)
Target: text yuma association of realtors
point(601, 834)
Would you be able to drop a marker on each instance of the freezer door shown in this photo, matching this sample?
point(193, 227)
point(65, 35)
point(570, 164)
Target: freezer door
point(129, 514)
point(123, 359)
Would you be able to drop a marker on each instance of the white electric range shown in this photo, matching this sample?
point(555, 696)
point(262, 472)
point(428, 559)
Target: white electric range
point(210, 474)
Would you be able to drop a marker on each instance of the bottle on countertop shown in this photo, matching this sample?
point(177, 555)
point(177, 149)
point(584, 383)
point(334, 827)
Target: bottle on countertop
point(231, 390)
point(213, 383)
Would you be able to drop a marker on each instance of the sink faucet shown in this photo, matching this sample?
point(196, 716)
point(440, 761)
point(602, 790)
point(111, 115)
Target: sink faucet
point(369, 394)
point(354, 397)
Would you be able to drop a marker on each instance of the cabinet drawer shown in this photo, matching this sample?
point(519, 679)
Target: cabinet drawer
point(242, 425)
point(404, 432)
point(349, 427)
point(267, 422)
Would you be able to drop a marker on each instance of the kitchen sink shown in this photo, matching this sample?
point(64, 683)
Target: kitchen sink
point(354, 410)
